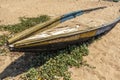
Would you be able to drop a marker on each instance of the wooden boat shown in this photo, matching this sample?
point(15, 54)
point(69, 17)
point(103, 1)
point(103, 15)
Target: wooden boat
point(43, 38)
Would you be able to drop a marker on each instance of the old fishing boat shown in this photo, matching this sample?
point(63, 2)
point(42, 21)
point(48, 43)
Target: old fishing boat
point(41, 37)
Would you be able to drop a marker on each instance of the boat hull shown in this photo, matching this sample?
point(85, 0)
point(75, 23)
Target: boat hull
point(64, 41)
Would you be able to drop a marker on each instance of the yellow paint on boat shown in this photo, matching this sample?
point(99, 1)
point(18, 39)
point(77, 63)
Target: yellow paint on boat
point(58, 40)
point(51, 26)
point(30, 31)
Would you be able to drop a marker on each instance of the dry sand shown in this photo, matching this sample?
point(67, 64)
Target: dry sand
point(104, 53)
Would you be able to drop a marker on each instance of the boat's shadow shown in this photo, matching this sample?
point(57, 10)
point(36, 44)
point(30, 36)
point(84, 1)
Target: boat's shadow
point(32, 60)
point(26, 62)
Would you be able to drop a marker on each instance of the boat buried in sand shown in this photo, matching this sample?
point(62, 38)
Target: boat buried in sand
point(41, 37)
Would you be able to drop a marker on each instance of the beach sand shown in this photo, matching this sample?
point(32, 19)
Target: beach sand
point(104, 54)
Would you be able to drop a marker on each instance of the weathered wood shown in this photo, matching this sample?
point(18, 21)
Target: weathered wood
point(67, 37)
point(31, 30)
point(56, 39)
point(47, 25)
